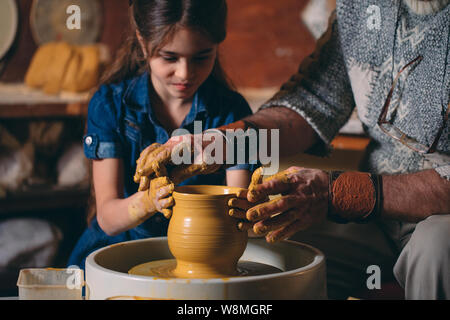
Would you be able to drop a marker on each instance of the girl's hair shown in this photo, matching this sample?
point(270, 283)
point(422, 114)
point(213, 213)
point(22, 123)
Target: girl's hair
point(157, 21)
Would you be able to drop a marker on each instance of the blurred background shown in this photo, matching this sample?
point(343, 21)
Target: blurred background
point(44, 176)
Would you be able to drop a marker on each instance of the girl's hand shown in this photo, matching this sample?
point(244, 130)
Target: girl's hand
point(156, 160)
point(157, 154)
point(161, 190)
point(157, 198)
point(303, 202)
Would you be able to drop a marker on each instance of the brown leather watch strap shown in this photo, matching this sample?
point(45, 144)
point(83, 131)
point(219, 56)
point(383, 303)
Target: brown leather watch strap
point(354, 196)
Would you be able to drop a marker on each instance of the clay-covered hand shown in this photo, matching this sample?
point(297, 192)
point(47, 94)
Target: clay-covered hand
point(161, 190)
point(158, 197)
point(240, 204)
point(303, 202)
point(157, 160)
point(151, 162)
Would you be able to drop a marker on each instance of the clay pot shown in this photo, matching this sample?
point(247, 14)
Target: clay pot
point(202, 236)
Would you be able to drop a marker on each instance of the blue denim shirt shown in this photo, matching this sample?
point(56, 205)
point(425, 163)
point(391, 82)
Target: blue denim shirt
point(121, 123)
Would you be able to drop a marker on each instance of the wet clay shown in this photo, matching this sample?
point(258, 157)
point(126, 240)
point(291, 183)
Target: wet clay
point(202, 236)
point(155, 185)
point(164, 269)
point(257, 178)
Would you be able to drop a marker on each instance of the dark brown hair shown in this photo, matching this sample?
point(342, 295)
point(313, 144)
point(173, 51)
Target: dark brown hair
point(157, 21)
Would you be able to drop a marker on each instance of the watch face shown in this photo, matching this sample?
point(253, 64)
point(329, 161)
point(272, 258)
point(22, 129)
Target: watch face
point(73, 21)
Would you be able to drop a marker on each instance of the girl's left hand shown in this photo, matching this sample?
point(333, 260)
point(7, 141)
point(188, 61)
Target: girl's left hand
point(160, 193)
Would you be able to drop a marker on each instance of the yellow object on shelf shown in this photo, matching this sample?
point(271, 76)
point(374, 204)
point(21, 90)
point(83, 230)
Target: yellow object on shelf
point(70, 77)
point(88, 75)
point(35, 76)
point(58, 66)
point(61, 55)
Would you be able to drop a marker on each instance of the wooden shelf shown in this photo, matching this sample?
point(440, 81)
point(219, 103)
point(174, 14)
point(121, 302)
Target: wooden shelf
point(44, 110)
point(19, 101)
point(35, 199)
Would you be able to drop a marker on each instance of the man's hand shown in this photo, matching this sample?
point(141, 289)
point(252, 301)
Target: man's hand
point(156, 161)
point(303, 202)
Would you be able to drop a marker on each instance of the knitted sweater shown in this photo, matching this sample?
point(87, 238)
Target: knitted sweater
point(354, 65)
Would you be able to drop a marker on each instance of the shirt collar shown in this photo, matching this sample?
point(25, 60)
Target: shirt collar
point(137, 98)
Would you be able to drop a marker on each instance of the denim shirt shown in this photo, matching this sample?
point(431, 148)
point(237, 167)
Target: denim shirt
point(121, 123)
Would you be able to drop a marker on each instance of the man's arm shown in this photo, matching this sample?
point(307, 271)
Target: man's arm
point(304, 202)
point(415, 196)
point(296, 135)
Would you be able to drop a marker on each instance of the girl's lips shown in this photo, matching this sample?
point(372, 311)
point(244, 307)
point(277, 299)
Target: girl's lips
point(182, 87)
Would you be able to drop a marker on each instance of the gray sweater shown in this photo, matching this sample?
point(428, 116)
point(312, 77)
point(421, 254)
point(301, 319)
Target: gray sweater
point(354, 65)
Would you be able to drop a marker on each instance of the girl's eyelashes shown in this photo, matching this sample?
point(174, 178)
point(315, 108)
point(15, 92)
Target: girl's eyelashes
point(202, 58)
point(170, 58)
point(175, 59)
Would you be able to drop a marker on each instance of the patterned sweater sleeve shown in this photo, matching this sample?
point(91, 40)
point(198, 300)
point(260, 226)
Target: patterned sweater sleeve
point(320, 91)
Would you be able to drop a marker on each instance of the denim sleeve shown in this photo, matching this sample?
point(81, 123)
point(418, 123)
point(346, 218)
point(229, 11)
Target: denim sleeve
point(102, 140)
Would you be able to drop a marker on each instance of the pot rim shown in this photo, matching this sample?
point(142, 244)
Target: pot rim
point(211, 192)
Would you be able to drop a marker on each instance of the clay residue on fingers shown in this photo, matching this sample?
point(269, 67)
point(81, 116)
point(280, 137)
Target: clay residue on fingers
point(244, 225)
point(160, 156)
point(257, 178)
point(181, 173)
point(283, 176)
point(159, 187)
point(143, 159)
point(144, 183)
point(236, 213)
point(256, 213)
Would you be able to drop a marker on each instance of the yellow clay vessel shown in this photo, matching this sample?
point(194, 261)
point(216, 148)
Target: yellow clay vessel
point(202, 236)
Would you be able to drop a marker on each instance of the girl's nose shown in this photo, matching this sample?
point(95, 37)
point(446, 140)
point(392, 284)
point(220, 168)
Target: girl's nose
point(184, 70)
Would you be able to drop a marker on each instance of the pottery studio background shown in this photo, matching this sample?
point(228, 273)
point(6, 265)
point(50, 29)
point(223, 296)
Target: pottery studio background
point(44, 177)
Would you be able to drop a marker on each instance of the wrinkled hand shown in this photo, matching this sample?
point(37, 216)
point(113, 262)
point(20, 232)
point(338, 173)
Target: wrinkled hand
point(152, 162)
point(303, 202)
point(156, 161)
point(240, 204)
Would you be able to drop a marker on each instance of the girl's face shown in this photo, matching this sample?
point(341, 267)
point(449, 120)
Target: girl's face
point(181, 66)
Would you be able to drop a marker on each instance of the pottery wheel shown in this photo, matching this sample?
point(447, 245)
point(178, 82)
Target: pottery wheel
point(163, 269)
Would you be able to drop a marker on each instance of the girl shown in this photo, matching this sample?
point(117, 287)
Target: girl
point(166, 76)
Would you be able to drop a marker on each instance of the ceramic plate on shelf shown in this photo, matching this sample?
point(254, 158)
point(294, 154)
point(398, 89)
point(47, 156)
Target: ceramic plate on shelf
point(48, 21)
point(8, 25)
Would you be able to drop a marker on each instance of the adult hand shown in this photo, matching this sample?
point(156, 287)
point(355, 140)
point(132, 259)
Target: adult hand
point(156, 160)
point(240, 204)
point(303, 202)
